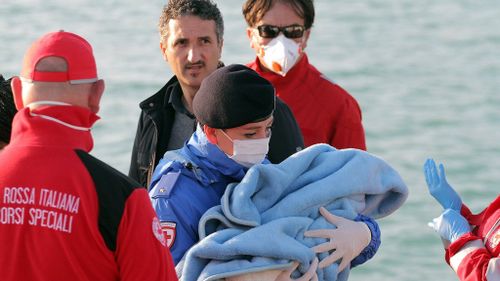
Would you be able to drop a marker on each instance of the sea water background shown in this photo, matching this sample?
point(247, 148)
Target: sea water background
point(425, 73)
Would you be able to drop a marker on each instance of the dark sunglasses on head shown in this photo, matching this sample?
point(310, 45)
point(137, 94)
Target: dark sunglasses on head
point(271, 31)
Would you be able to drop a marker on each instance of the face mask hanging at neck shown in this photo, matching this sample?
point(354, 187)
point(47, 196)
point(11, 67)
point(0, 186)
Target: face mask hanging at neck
point(249, 152)
point(50, 118)
point(280, 54)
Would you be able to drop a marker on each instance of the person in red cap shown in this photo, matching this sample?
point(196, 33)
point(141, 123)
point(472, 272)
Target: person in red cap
point(65, 215)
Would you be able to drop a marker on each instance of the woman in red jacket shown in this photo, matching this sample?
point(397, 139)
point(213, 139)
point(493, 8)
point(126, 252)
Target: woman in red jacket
point(474, 246)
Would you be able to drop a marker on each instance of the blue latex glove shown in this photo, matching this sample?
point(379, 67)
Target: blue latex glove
point(450, 225)
point(439, 188)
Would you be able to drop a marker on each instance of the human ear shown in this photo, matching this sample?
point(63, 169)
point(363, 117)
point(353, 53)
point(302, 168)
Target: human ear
point(250, 37)
point(17, 92)
point(306, 37)
point(163, 49)
point(210, 133)
point(220, 48)
point(96, 95)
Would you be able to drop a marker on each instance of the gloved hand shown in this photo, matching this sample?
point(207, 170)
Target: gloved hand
point(450, 225)
point(310, 275)
point(348, 239)
point(439, 188)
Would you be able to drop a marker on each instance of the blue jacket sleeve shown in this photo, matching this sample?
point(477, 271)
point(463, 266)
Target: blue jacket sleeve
point(176, 221)
point(372, 248)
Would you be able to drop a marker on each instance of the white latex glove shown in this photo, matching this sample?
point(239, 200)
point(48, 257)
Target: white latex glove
point(348, 239)
point(450, 225)
point(310, 275)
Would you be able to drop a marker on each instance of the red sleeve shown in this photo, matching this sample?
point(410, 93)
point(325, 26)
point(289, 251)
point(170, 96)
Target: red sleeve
point(470, 217)
point(141, 251)
point(469, 258)
point(349, 132)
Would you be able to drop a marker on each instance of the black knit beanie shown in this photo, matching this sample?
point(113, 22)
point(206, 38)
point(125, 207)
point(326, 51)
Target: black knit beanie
point(233, 96)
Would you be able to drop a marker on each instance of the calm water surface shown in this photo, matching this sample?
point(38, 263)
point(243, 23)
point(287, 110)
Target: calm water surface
point(426, 75)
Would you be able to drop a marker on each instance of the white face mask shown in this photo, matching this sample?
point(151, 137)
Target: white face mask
point(280, 54)
point(249, 152)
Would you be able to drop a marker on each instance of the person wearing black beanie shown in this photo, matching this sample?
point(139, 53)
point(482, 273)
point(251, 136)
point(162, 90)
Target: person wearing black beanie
point(191, 42)
point(234, 109)
point(7, 111)
point(233, 96)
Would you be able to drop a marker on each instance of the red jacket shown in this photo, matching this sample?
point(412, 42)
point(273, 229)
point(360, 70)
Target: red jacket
point(326, 113)
point(475, 256)
point(64, 215)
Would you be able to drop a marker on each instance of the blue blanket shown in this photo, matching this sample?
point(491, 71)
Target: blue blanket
point(261, 220)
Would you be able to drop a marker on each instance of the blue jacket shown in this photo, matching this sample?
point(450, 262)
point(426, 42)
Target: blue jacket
point(185, 184)
point(189, 181)
point(261, 220)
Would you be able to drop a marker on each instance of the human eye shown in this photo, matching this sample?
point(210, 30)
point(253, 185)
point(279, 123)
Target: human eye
point(268, 31)
point(205, 40)
point(180, 42)
point(294, 31)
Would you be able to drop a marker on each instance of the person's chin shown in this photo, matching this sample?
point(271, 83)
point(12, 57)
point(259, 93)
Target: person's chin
point(196, 75)
point(193, 80)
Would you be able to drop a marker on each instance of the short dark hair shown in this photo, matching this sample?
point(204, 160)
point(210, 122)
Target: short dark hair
point(254, 10)
point(7, 110)
point(204, 9)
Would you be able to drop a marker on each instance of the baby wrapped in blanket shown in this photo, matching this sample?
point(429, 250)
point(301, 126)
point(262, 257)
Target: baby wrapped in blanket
point(258, 230)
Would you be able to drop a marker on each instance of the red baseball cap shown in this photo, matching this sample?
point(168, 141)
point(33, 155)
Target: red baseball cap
point(75, 50)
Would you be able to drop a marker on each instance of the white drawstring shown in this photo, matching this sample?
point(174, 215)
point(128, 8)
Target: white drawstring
point(60, 122)
point(58, 103)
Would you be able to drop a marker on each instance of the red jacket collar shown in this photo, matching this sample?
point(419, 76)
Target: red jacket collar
point(34, 130)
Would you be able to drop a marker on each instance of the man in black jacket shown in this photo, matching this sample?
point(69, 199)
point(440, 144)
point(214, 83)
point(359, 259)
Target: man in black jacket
point(191, 42)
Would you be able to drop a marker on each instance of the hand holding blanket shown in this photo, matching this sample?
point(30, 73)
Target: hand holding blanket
point(348, 239)
point(261, 221)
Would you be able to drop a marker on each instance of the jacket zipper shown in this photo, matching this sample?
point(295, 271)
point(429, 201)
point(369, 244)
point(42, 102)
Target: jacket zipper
point(492, 229)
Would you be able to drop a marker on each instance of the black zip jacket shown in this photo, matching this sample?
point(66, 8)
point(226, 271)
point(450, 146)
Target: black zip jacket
point(155, 126)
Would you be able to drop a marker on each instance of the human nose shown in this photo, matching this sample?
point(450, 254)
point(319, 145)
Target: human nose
point(193, 54)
